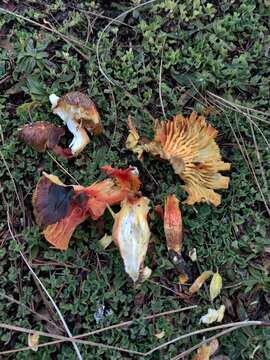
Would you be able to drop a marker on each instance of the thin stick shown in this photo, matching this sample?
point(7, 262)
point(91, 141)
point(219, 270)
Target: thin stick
point(186, 352)
point(111, 211)
point(12, 180)
point(159, 85)
point(259, 159)
point(113, 82)
point(111, 327)
point(45, 290)
point(165, 287)
point(242, 113)
point(101, 16)
point(202, 331)
point(246, 156)
point(62, 168)
point(63, 338)
point(237, 106)
point(64, 37)
point(42, 317)
point(253, 172)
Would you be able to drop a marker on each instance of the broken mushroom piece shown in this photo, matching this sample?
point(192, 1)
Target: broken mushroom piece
point(174, 232)
point(131, 234)
point(58, 210)
point(188, 143)
point(123, 183)
point(78, 112)
point(42, 136)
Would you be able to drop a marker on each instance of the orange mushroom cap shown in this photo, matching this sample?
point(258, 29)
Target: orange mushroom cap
point(188, 143)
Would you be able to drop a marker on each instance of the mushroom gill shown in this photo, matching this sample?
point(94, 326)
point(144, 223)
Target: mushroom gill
point(188, 143)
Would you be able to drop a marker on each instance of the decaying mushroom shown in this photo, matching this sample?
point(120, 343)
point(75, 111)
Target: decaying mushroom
point(123, 183)
point(174, 232)
point(78, 112)
point(59, 208)
point(131, 234)
point(43, 136)
point(188, 143)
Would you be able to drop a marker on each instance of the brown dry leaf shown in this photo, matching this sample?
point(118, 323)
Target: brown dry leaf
point(215, 286)
point(33, 341)
point(205, 351)
point(182, 279)
point(200, 281)
point(133, 140)
point(188, 143)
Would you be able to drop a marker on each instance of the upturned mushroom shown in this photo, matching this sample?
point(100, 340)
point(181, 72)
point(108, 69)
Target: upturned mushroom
point(188, 143)
point(42, 136)
point(78, 112)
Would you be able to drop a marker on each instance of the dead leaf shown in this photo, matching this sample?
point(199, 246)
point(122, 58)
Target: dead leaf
point(215, 286)
point(200, 281)
point(160, 335)
point(205, 351)
point(193, 254)
point(105, 241)
point(182, 279)
point(33, 341)
point(213, 315)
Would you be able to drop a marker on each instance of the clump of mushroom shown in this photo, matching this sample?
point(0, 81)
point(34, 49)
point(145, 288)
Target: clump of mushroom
point(43, 136)
point(79, 113)
point(188, 143)
point(59, 208)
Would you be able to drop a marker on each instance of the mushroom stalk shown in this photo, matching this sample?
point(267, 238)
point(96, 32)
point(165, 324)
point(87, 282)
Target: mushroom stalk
point(80, 140)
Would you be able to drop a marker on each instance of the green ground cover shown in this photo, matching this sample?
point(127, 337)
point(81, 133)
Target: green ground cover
point(220, 47)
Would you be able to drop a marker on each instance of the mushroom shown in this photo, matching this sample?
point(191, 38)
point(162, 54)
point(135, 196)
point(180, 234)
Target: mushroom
point(131, 234)
point(174, 233)
point(123, 183)
point(43, 135)
point(60, 208)
point(188, 143)
point(78, 112)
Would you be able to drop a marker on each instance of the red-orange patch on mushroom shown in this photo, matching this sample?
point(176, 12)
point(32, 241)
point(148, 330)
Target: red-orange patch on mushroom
point(173, 224)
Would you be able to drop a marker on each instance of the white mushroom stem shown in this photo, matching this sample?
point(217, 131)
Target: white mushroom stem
point(54, 100)
point(80, 140)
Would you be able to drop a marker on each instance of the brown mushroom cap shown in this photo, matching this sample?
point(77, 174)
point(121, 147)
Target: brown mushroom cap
point(41, 135)
point(51, 202)
point(83, 109)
